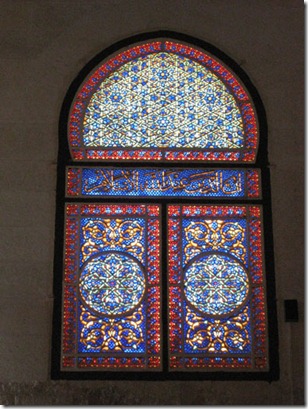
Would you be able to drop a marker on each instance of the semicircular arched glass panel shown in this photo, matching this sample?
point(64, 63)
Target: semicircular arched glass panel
point(163, 101)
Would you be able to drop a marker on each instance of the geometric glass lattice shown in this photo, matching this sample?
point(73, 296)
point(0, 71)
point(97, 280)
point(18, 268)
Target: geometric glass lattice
point(163, 101)
point(149, 103)
point(112, 288)
point(216, 287)
point(112, 283)
point(216, 284)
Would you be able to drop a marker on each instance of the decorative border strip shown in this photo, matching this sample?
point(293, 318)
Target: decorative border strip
point(162, 183)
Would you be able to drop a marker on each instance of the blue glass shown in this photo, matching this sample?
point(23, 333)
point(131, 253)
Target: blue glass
point(203, 334)
point(112, 234)
point(112, 283)
point(163, 100)
point(99, 334)
point(221, 183)
point(216, 284)
point(208, 235)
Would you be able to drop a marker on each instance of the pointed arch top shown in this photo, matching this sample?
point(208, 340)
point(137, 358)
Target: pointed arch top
point(163, 100)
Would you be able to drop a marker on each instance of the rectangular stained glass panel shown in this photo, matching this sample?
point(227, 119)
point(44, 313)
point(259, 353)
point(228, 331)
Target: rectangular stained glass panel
point(216, 287)
point(166, 182)
point(111, 288)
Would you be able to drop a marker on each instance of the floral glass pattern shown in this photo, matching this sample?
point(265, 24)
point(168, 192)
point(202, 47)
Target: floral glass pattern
point(112, 291)
point(216, 288)
point(163, 101)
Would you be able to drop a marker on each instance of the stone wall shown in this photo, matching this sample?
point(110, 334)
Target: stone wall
point(44, 45)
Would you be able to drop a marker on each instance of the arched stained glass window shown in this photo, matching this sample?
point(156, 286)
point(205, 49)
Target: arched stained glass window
point(163, 101)
point(163, 266)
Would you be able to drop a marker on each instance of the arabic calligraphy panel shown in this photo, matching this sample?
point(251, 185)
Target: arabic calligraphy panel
point(166, 182)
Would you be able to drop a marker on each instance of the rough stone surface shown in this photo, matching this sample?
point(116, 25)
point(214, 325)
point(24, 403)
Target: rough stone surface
point(44, 45)
point(143, 393)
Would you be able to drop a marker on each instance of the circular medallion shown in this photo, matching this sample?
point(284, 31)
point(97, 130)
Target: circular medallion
point(112, 283)
point(216, 284)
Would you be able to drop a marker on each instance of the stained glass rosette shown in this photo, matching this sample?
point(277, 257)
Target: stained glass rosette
point(216, 290)
point(163, 101)
point(111, 314)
